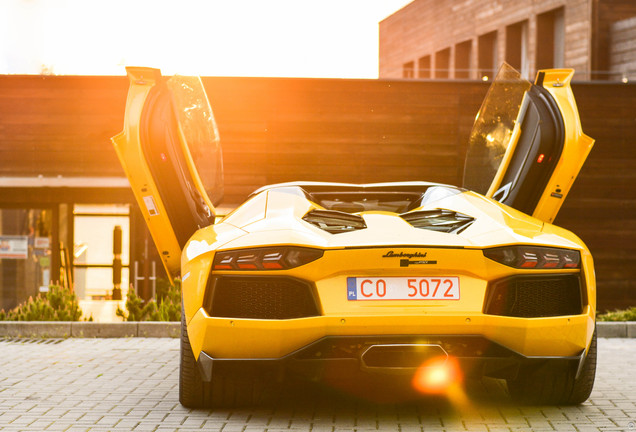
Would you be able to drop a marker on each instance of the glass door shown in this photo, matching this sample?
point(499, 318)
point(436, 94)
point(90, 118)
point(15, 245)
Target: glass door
point(94, 257)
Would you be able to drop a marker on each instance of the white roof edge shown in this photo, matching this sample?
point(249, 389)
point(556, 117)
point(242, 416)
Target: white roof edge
point(336, 184)
point(59, 181)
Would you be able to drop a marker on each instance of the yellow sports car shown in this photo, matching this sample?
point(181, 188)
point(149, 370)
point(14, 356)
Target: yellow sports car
point(393, 278)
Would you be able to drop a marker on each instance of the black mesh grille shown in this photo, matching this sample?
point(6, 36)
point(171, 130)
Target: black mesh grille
point(260, 298)
point(535, 296)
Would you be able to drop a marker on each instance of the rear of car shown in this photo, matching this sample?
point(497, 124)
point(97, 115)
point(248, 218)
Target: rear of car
point(358, 305)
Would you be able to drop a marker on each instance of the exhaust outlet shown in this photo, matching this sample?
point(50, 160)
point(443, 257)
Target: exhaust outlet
point(400, 356)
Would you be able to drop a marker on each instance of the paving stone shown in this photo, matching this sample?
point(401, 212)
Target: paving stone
point(476, 427)
point(123, 384)
point(543, 424)
point(317, 428)
point(194, 423)
point(410, 428)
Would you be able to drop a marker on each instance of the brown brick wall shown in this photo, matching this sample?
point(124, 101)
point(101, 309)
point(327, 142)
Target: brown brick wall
point(623, 50)
point(606, 13)
point(427, 26)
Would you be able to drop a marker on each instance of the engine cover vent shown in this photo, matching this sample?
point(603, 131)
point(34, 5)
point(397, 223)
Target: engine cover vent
point(446, 221)
point(335, 222)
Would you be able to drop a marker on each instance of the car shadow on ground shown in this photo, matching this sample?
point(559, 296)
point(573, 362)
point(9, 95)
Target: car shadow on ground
point(390, 398)
point(394, 391)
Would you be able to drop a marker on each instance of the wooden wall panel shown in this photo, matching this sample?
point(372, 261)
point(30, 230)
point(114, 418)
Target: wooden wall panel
point(275, 130)
point(601, 207)
point(53, 125)
point(341, 130)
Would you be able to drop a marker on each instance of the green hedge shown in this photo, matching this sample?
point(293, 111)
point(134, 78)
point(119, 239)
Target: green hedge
point(619, 315)
point(167, 307)
point(58, 304)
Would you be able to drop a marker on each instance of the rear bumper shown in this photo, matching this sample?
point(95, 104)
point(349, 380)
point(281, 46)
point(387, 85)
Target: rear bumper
point(227, 338)
point(347, 356)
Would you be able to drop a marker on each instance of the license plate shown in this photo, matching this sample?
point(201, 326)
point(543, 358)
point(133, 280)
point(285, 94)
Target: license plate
point(403, 288)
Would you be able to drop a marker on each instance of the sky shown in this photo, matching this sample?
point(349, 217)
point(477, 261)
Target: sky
point(291, 38)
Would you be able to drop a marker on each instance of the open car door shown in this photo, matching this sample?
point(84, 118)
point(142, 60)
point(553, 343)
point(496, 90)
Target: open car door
point(527, 146)
point(170, 151)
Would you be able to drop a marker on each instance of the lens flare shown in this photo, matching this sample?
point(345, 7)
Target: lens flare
point(443, 376)
point(437, 375)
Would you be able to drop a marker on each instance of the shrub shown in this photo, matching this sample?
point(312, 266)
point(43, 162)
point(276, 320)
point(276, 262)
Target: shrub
point(166, 308)
point(619, 315)
point(58, 304)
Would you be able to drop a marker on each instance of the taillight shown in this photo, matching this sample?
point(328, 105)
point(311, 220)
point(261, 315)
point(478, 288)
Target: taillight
point(270, 258)
point(535, 257)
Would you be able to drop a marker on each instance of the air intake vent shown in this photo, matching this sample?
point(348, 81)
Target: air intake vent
point(335, 222)
point(440, 220)
point(535, 296)
point(259, 298)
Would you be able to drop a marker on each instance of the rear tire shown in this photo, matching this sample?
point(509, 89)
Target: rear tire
point(225, 390)
point(193, 391)
point(549, 387)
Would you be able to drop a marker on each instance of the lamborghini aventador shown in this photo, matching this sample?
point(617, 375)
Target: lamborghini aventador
point(317, 279)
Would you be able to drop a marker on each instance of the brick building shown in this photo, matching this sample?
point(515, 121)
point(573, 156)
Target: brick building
point(468, 39)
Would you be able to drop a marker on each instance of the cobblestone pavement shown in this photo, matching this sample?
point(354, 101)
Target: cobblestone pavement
point(131, 384)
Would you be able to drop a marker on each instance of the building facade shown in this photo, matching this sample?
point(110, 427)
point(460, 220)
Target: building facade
point(469, 39)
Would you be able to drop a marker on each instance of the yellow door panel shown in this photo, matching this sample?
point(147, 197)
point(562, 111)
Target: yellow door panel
point(527, 145)
point(168, 131)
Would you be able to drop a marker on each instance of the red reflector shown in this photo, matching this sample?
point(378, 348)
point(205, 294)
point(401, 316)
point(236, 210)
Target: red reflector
point(540, 158)
point(222, 267)
point(272, 265)
point(248, 266)
point(529, 264)
point(550, 265)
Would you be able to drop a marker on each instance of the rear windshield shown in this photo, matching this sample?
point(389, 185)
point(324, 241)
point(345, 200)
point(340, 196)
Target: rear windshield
point(389, 201)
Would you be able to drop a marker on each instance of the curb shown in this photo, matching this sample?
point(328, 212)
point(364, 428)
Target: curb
point(157, 329)
point(84, 329)
point(616, 329)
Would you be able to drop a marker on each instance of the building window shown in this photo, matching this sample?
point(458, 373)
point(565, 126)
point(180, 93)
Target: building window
point(408, 70)
point(462, 59)
point(27, 251)
point(487, 55)
point(517, 46)
point(424, 67)
point(551, 39)
point(442, 63)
